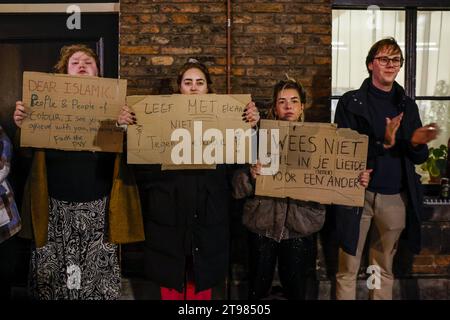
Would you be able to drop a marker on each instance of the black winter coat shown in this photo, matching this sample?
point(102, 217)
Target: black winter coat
point(353, 112)
point(186, 213)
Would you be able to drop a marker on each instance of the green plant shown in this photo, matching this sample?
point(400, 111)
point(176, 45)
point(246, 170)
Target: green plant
point(436, 162)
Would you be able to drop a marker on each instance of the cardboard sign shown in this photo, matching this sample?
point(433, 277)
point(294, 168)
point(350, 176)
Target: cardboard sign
point(150, 141)
point(72, 112)
point(318, 162)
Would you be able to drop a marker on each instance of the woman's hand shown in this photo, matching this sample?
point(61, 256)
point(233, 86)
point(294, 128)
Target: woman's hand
point(251, 114)
point(364, 177)
point(126, 116)
point(19, 114)
point(255, 170)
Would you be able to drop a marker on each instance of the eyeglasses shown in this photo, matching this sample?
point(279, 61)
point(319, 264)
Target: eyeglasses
point(384, 61)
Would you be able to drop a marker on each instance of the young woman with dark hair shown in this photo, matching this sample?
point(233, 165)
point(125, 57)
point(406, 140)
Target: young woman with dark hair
point(187, 222)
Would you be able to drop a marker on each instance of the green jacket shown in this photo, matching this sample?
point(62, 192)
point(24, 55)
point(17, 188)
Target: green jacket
point(124, 213)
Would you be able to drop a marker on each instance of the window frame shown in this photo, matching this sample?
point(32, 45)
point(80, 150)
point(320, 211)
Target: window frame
point(411, 7)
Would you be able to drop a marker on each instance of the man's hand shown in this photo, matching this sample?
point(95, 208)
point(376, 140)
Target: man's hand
point(392, 126)
point(424, 134)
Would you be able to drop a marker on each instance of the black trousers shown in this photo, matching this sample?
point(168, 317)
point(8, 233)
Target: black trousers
point(8, 256)
point(295, 264)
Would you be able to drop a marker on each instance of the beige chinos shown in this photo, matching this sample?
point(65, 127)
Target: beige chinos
point(383, 219)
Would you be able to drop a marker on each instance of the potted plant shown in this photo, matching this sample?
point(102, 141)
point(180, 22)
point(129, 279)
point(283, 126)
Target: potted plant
point(436, 163)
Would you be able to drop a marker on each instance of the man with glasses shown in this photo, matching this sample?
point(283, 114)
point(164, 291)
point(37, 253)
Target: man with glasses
point(397, 141)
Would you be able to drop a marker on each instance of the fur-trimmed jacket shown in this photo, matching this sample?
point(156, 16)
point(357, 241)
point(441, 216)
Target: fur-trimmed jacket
point(276, 218)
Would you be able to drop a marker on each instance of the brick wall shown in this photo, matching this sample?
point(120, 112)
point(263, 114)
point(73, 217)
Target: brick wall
point(434, 259)
point(269, 38)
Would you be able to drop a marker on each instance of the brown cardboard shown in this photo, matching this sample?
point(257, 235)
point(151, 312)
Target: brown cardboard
point(149, 141)
point(188, 167)
point(318, 162)
point(72, 112)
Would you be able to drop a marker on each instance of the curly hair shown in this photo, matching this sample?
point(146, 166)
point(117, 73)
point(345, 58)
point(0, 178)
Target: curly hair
point(67, 51)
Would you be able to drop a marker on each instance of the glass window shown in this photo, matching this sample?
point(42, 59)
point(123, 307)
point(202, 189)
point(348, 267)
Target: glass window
point(433, 52)
point(334, 103)
point(434, 111)
point(433, 73)
point(437, 111)
point(353, 33)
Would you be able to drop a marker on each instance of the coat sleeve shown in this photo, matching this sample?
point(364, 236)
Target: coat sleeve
point(5, 159)
point(341, 117)
point(345, 119)
point(242, 185)
point(417, 154)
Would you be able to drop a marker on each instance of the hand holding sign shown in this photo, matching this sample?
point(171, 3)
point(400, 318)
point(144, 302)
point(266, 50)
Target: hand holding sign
point(126, 116)
point(255, 170)
point(364, 178)
point(251, 114)
point(19, 114)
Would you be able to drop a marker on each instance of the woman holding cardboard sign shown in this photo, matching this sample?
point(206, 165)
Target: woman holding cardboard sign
point(78, 206)
point(187, 222)
point(280, 229)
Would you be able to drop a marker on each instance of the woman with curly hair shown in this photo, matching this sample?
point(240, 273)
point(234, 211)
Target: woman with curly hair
point(75, 208)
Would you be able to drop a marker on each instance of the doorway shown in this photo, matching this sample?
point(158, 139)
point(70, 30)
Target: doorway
point(32, 42)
